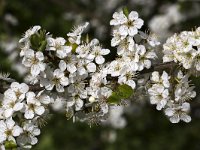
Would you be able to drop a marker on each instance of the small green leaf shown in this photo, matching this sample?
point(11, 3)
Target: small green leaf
point(43, 46)
point(125, 11)
point(122, 92)
point(38, 40)
point(114, 98)
point(35, 41)
point(10, 145)
point(125, 91)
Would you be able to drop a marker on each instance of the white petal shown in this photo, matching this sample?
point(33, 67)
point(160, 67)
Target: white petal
point(91, 67)
point(59, 88)
point(10, 123)
point(29, 53)
point(131, 83)
point(35, 69)
point(169, 112)
point(45, 99)
point(18, 106)
point(138, 23)
point(132, 31)
point(39, 56)
point(8, 112)
point(64, 81)
point(71, 68)
point(24, 88)
point(133, 15)
point(17, 131)
point(39, 110)
point(62, 65)
point(175, 118)
point(185, 118)
point(2, 138)
point(185, 107)
point(29, 114)
point(105, 51)
point(15, 86)
point(36, 132)
point(78, 104)
point(123, 30)
point(99, 60)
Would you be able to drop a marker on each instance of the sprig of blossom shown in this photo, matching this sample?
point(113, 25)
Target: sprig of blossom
point(184, 49)
point(172, 97)
point(75, 72)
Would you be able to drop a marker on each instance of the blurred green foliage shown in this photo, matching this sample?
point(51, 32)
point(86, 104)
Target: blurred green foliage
point(146, 130)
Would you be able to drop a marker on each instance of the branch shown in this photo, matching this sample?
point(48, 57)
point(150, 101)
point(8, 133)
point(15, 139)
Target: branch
point(156, 67)
point(159, 67)
point(31, 88)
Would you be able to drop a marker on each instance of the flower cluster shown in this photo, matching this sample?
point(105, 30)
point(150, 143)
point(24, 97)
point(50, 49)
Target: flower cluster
point(135, 49)
point(74, 72)
point(21, 109)
point(184, 48)
point(173, 96)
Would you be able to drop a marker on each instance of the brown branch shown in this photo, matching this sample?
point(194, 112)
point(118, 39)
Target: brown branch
point(31, 88)
point(157, 67)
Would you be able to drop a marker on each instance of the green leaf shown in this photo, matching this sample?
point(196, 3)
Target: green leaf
point(125, 91)
point(114, 98)
point(122, 92)
point(125, 11)
point(10, 145)
point(43, 46)
point(38, 41)
point(35, 41)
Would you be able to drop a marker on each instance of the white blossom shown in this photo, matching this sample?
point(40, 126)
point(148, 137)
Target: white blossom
point(8, 130)
point(58, 45)
point(34, 60)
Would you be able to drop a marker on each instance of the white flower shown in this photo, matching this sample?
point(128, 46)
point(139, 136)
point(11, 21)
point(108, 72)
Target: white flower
point(71, 62)
point(75, 35)
point(127, 25)
point(152, 40)
point(97, 53)
point(116, 68)
point(33, 106)
point(117, 38)
point(19, 89)
point(12, 101)
point(183, 49)
point(29, 32)
point(8, 130)
point(178, 112)
point(26, 39)
point(126, 45)
point(158, 95)
point(59, 46)
point(163, 80)
point(29, 138)
point(127, 78)
point(143, 57)
point(34, 60)
point(85, 67)
point(118, 18)
point(58, 79)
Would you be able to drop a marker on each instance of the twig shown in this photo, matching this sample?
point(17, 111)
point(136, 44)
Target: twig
point(157, 67)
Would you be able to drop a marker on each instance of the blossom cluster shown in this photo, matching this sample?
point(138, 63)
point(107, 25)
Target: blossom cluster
point(173, 97)
point(135, 49)
point(21, 109)
point(75, 72)
point(184, 49)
